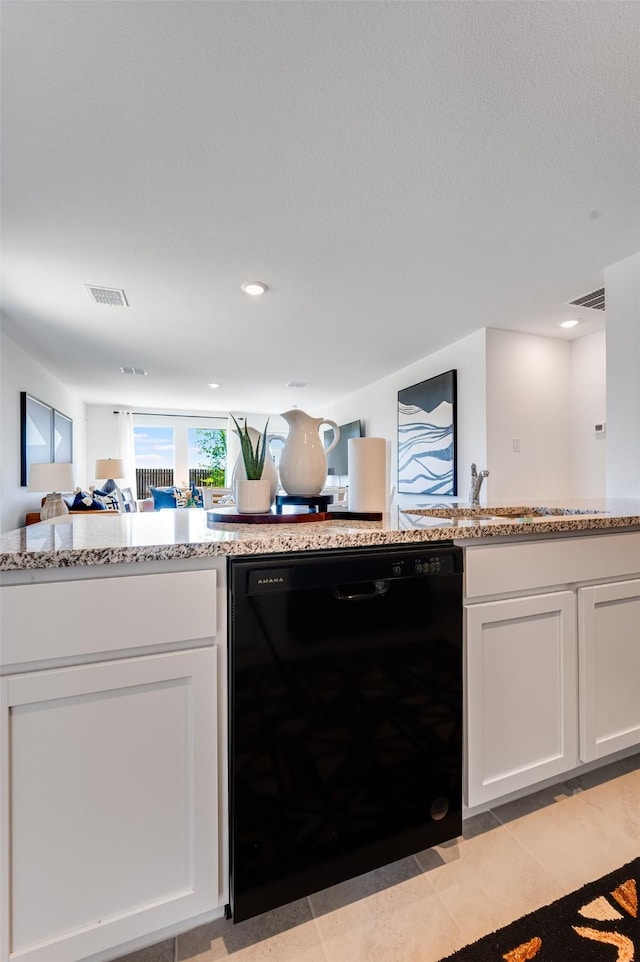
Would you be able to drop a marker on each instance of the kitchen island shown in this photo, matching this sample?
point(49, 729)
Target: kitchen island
point(78, 540)
point(113, 695)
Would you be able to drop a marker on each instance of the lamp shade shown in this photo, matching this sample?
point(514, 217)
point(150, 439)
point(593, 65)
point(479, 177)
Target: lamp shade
point(109, 468)
point(51, 477)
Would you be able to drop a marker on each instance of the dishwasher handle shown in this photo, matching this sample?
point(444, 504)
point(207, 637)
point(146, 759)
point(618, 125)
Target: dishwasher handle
point(380, 588)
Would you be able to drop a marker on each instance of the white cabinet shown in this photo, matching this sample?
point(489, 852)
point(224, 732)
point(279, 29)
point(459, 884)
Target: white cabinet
point(109, 803)
point(609, 655)
point(112, 759)
point(521, 685)
point(552, 658)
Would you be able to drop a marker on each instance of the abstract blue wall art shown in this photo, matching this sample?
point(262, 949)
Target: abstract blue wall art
point(427, 437)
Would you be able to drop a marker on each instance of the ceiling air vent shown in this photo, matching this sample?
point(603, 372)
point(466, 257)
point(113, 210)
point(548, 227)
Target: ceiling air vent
point(133, 370)
point(296, 383)
point(594, 300)
point(106, 295)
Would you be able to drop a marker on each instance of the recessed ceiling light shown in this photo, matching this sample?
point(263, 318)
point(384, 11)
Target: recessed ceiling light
point(213, 385)
point(572, 323)
point(254, 288)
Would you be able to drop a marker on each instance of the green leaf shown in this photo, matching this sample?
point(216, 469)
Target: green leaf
point(253, 458)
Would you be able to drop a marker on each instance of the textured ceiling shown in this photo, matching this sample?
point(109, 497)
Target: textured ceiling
point(399, 173)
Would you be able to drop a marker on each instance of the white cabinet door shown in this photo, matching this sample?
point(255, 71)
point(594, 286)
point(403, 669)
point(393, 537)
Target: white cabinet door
point(609, 640)
point(109, 803)
point(521, 682)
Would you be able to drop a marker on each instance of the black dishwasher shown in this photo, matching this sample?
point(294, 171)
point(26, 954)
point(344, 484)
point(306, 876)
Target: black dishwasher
point(345, 715)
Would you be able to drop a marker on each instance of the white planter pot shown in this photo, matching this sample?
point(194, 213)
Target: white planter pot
point(269, 471)
point(253, 497)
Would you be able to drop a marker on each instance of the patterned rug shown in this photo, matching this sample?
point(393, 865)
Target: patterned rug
point(597, 923)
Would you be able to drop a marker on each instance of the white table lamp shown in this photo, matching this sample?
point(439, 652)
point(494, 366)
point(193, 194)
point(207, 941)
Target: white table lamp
point(54, 478)
point(109, 468)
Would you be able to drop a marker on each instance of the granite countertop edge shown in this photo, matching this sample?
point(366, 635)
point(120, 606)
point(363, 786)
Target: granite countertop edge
point(21, 550)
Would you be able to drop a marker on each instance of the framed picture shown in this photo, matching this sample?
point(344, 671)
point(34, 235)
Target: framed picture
point(46, 435)
point(427, 437)
point(62, 438)
point(36, 434)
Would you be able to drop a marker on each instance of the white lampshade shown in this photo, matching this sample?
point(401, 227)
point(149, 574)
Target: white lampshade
point(51, 477)
point(109, 468)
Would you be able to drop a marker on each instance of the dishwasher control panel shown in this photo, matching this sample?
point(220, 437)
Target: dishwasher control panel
point(442, 564)
point(294, 572)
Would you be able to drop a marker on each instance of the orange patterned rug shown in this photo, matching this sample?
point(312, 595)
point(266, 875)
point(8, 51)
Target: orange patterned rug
point(597, 923)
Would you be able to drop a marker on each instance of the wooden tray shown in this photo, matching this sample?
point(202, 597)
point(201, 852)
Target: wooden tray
point(230, 514)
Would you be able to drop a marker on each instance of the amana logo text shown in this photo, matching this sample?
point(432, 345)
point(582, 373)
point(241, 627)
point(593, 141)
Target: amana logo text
point(270, 581)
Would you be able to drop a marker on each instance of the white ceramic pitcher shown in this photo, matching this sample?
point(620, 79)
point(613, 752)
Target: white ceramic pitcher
point(303, 462)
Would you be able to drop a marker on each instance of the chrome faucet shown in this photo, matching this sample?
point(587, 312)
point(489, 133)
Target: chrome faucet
point(475, 484)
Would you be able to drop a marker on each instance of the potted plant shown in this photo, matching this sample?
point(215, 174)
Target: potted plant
point(252, 494)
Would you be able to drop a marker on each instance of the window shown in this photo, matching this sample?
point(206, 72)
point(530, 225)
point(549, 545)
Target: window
point(155, 447)
point(207, 456)
point(155, 458)
point(179, 449)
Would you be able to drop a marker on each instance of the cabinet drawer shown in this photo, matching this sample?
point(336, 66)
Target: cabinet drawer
point(525, 567)
point(71, 618)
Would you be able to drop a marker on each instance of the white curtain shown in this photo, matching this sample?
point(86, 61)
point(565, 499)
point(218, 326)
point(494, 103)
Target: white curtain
point(233, 450)
point(127, 449)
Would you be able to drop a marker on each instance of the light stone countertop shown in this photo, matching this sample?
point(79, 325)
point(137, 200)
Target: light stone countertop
point(78, 540)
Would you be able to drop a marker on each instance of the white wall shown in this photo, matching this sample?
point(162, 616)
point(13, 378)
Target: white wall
point(588, 408)
point(20, 372)
point(622, 286)
point(544, 392)
point(102, 438)
point(377, 406)
point(528, 402)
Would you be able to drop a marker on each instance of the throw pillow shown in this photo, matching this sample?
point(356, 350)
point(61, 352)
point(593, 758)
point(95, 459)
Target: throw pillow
point(197, 496)
point(84, 501)
point(164, 498)
point(108, 501)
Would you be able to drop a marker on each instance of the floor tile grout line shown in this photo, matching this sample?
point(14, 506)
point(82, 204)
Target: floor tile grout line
point(581, 800)
point(545, 868)
point(531, 854)
point(458, 930)
point(526, 908)
point(551, 800)
point(317, 929)
point(311, 908)
point(425, 872)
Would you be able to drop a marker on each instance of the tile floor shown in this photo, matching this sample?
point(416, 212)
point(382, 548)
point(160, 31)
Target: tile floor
point(510, 861)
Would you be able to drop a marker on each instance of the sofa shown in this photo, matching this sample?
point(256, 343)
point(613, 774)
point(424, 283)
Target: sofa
point(84, 502)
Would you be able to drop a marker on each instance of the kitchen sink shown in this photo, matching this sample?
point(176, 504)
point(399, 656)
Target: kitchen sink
point(470, 518)
point(454, 519)
point(526, 512)
point(466, 515)
point(542, 512)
